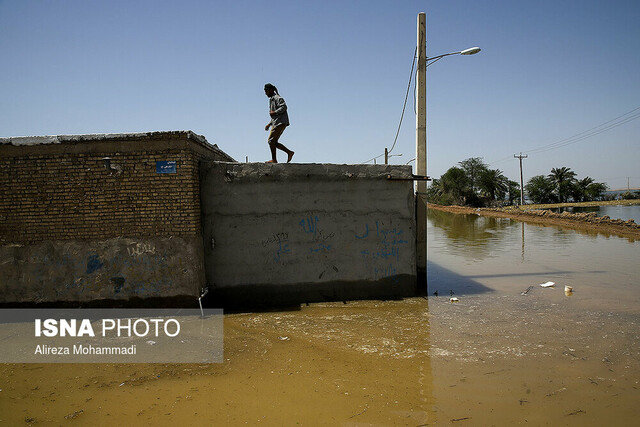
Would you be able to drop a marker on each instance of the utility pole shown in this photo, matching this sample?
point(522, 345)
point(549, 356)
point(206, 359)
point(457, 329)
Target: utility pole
point(386, 156)
point(521, 182)
point(421, 152)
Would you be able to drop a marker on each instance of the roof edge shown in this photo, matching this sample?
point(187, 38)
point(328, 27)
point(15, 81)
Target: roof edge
point(27, 141)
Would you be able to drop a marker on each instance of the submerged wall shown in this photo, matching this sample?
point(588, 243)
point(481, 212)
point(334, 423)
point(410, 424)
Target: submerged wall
point(289, 233)
point(101, 217)
point(104, 269)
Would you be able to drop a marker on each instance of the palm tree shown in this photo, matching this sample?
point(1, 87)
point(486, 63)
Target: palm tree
point(540, 190)
point(435, 193)
point(493, 184)
point(579, 189)
point(562, 179)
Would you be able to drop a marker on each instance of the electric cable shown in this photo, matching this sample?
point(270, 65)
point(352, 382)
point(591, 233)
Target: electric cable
point(406, 96)
point(403, 109)
point(596, 130)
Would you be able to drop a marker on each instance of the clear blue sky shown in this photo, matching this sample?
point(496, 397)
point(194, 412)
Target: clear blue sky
point(547, 71)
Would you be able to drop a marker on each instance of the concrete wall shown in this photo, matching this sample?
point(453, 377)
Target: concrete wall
point(307, 232)
point(74, 230)
point(106, 270)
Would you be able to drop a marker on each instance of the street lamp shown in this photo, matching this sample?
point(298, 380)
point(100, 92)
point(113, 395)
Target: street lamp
point(470, 51)
point(421, 143)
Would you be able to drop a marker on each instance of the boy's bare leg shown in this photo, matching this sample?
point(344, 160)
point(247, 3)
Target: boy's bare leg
point(286, 150)
point(272, 147)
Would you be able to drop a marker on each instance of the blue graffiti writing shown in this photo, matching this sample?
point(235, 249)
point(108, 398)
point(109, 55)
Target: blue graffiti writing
point(310, 224)
point(93, 263)
point(282, 249)
point(387, 250)
point(386, 232)
point(385, 271)
point(366, 232)
point(320, 248)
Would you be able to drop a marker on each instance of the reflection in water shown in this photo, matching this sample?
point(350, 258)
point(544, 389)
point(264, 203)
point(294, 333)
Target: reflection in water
point(495, 358)
point(474, 229)
point(522, 251)
point(546, 357)
point(473, 235)
point(508, 256)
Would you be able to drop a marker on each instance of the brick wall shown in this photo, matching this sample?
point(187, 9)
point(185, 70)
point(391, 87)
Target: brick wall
point(61, 190)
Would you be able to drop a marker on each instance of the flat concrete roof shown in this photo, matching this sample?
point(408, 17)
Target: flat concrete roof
point(58, 139)
point(261, 172)
point(48, 140)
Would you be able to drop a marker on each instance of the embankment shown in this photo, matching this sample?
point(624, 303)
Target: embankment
point(582, 221)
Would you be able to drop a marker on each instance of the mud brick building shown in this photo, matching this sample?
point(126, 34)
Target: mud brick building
point(95, 217)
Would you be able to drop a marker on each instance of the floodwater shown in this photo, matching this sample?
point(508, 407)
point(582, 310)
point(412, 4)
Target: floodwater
point(496, 357)
point(612, 211)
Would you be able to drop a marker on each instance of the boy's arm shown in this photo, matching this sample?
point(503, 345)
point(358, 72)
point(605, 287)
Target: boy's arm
point(281, 106)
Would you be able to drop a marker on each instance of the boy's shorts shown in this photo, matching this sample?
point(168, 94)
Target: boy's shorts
point(275, 133)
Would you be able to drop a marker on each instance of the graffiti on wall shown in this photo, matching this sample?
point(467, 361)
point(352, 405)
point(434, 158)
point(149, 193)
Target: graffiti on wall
point(319, 238)
point(378, 245)
point(141, 249)
point(279, 244)
point(106, 270)
point(389, 242)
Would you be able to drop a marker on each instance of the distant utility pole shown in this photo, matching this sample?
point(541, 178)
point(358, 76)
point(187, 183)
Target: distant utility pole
point(521, 183)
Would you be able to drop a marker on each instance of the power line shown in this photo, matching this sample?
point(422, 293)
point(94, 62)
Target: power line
point(403, 109)
point(406, 96)
point(596, 130)
point(372, 159)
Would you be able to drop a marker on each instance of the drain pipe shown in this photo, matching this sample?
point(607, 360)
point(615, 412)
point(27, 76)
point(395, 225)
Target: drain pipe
point(203, 292)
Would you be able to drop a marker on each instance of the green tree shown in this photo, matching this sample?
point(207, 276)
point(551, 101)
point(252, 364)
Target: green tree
point(595, 191)
point(579, 189)
point(493, 185)
point(562, 179)
point(455, 183)
point(541, 189)
point(474, 167)
point(435, 193)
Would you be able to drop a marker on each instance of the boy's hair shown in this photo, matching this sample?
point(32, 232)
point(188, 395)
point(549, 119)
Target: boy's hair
point(270, 86)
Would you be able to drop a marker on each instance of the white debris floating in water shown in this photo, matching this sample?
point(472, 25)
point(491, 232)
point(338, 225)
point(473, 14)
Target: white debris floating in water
point(548, 284)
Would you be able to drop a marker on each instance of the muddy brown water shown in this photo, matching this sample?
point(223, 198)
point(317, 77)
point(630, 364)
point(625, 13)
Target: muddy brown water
point(496, 357)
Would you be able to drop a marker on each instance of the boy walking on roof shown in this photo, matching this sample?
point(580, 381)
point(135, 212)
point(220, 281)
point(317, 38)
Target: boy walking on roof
point(279, 121)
